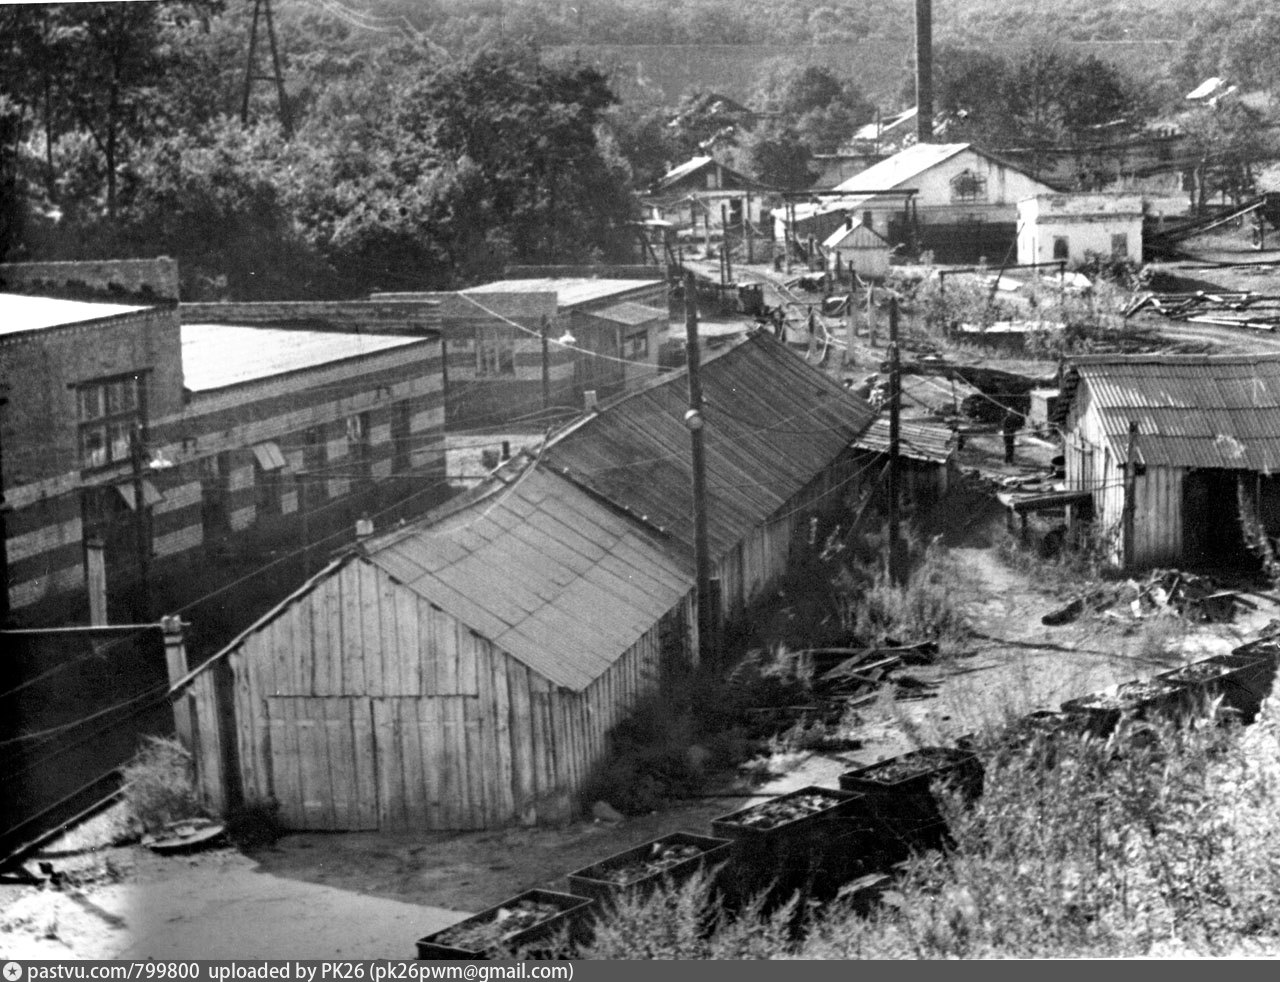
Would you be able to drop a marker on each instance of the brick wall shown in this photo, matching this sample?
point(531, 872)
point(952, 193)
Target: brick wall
point(158, 277)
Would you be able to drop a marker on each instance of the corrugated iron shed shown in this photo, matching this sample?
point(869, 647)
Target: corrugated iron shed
point(917, 441)
point(558, 580)
point(218, 355)
point(1192, 410)
point(773, 424)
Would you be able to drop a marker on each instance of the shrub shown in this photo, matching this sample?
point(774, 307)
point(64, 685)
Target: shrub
point(159, 783)
point(923, 608)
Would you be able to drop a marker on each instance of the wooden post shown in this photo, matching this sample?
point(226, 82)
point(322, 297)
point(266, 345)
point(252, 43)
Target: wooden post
point(546, 364)
point(141, 529)
point(871, 317)
point(724, 242)
point(747, 230)
point(707, 618)
point(96, 580)
point(1130, 492)
point(895, 400)
point(175, 657)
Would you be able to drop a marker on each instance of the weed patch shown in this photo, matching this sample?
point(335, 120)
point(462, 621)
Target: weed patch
point(159, 784)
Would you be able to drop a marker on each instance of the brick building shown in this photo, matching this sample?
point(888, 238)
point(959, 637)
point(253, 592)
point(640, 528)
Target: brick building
point(193, 455)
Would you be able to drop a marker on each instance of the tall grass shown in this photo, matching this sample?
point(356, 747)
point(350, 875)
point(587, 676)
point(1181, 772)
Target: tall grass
point(1160, 839)
point(159, 784)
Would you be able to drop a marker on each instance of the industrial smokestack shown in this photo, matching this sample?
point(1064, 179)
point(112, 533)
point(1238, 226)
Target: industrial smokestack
point(924, 71)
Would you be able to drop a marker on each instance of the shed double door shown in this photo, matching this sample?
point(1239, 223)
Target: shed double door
point(323, 761)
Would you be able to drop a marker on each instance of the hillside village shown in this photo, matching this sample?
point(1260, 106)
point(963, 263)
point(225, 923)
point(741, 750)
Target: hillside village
point(364, 593)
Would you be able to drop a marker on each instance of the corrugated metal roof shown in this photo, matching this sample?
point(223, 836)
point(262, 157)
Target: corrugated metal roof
point(218, 355)
point(893, 172)
point(571, 290)
point(630, 313)
point(558, 580)
point(773, 423)
point(1191, 410)
point(919, 441)
point(19, 313)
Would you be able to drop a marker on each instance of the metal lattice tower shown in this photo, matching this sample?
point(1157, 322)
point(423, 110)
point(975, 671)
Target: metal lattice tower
point(262, 8)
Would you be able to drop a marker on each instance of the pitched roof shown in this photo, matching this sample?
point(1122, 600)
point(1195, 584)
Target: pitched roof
point(1191, 410)
point(917, 441)
point(631, 314)
point(681, 171)
point(558, 580)
point(219, 355)
point(772, 424)
point(858, 236)
point(901, 167)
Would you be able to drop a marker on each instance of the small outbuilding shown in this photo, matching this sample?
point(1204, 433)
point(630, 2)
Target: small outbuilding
point(1180, 454)
point(1076, 227)
point(857, 248)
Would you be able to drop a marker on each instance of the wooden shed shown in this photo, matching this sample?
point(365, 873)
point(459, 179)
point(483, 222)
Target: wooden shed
point(1203, 453)
point(460, 673)
point(779, 437)
point(857, 248)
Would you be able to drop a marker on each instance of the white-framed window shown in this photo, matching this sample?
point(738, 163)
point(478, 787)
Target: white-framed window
point(108, 409)
point(495, 351)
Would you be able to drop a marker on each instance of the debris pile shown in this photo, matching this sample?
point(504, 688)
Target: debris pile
point(1164, 591)
point(1259, 311)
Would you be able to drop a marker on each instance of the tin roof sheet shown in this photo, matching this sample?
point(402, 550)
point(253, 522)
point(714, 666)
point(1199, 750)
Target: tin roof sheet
point(1192, 410)
point(630, 313)
point(919, 441)
point(218, 355)
point(560, 581)
point(772, 424)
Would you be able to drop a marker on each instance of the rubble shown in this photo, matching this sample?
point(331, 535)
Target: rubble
point(1164, 591)
point(1259, 311)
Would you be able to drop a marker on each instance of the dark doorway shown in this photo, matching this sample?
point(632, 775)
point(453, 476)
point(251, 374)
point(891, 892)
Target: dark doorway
point(1212, 534)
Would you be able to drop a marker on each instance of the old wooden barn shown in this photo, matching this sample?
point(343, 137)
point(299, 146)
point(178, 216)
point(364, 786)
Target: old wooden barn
point(1204, 447)
point(465, 672)
point(779, 439)
point(461, 673)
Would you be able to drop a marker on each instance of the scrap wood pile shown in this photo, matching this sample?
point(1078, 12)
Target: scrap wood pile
point(1260, 311)
point(1196, 598)
point(856, 675)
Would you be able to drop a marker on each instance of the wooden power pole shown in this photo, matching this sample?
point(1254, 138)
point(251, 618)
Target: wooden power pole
point(709, 641)
point(895, 411)
point(1130, 492)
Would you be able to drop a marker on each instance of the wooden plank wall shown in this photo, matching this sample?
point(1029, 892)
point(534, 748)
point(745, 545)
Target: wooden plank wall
point(458, 734)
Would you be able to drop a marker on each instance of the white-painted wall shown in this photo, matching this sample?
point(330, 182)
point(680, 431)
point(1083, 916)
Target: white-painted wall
point(1087, 222)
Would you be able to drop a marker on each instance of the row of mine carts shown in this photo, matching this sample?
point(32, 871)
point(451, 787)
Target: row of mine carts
point(848, 843)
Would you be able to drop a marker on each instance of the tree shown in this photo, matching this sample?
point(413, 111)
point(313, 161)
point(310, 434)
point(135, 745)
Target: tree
point(822, 109)
point(1229, 140)
point(530, 133)
point(776, 155)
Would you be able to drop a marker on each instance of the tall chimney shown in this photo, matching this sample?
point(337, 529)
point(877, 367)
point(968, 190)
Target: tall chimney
point(924, 71)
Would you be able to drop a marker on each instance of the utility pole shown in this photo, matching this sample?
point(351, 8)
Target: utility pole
point(748, 231)
point(895, 407)
point(264, 7)
point(141, 529)
point(707, 616)
point(543, 327)
point(1130, 491)
point(728, 260)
